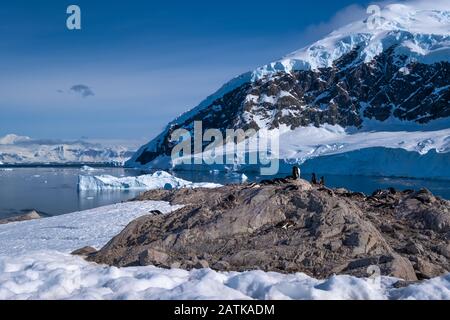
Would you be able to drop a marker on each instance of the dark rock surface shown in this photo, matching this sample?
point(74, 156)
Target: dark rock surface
point(32, 215)
point(288, 226)
point(84, 252)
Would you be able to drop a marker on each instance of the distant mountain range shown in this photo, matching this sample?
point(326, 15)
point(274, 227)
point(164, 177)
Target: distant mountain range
point(17, 150)
point(363, 100)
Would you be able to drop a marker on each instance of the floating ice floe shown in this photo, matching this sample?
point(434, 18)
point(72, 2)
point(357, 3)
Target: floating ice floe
point(87, 168)
point(157, 180)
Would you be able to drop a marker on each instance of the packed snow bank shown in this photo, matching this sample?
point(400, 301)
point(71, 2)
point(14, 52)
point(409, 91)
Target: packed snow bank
point(54, 275)
point(157, 180)
point(72, 231)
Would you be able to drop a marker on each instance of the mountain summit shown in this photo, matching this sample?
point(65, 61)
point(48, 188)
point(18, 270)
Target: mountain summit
point(391, 74)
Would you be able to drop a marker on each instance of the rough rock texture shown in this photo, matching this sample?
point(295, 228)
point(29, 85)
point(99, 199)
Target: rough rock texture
point(32, 215)
point(288, 225)
point(84, 252)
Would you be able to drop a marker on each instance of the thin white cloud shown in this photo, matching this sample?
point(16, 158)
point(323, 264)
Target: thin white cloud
point(341, 18)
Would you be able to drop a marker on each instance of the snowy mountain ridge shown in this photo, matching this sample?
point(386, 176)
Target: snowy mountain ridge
point(12, 139)
point(421, 34)
point(393, 78)
point(15, 149)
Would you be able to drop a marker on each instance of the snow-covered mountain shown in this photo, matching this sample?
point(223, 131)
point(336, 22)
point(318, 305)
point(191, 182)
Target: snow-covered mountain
point(16, 149)
point(341, 94)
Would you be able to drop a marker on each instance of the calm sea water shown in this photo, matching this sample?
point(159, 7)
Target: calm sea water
point(53, 191)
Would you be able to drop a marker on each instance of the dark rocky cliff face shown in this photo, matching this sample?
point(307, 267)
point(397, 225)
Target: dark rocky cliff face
point(344, 94)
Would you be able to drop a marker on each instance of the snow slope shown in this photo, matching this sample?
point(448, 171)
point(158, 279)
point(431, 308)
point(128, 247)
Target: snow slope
point(68, 232)
point(16, 149)
point(421, 32)
point(35, 264)
point(157, 180)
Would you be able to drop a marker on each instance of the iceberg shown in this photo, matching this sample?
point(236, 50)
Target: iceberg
point(157, 180)
point(87, 168)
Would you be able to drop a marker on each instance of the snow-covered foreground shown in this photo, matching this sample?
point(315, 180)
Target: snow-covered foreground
point(54, 275)
point(35, 264)
point(157, 180)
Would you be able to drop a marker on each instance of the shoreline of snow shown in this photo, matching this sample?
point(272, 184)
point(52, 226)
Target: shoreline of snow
point(68, 232)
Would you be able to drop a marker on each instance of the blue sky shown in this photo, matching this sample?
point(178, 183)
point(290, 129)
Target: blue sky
point(145, 62)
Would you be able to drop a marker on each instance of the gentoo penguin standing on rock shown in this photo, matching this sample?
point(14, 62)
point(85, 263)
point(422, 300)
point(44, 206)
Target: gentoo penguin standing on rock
point(322, 181)
point(295, 173)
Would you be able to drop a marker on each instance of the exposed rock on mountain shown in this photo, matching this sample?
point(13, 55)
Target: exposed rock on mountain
point(290, 226)
point(397, 72)
point(343, 95)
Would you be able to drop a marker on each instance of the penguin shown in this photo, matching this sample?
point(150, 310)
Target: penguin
point(295, 173)
point(314, 179)
point(322, 181)
point(254, 186)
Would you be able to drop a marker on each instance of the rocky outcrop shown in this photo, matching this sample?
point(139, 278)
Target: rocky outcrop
point(288, 225)
point(32, 215)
